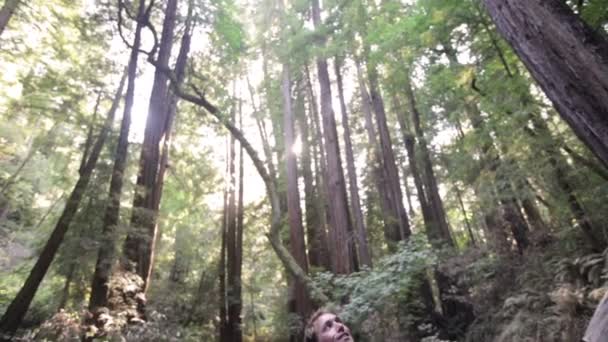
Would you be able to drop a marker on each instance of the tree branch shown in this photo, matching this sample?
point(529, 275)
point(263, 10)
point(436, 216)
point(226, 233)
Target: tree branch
point(273, 235)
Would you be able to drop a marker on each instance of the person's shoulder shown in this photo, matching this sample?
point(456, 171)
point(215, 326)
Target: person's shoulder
point(597, 330)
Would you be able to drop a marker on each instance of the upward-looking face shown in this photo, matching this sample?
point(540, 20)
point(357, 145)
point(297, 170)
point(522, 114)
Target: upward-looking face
point(329, 328)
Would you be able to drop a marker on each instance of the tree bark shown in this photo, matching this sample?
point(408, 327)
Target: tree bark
point(533, 215)
point(180, 68)
point(400, 228)
point(410, 146)
point(232, 332)
point(562, 171)
point(319, 246)
point(340, 219)
point(364, 254)
point(376, 161)
point(315, 225)
point(408, 192)
point(567, 58)
point(107, 249)
point(240, 216)
point(18, 307)
point(273, 235)
point(509, 208)
point(222, 262)
point(140, 241)
point(65, 293)
point(297, 247)
point(6, 12)
point(263, 134)
point(590, 164)
point(464, 214)
point(276, 122)
point(434, 200)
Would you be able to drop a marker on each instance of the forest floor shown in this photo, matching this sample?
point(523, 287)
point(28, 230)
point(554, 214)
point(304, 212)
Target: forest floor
point(545, 295)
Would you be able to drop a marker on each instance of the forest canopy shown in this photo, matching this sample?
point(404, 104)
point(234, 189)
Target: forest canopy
point(217, 170)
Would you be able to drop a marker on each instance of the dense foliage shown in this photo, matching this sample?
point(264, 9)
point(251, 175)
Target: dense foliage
point(395, 161)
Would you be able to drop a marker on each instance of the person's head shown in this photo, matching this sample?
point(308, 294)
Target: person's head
point(324, 326)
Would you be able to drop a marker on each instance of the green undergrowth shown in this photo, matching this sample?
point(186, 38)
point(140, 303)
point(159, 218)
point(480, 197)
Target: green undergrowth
point(548, 294)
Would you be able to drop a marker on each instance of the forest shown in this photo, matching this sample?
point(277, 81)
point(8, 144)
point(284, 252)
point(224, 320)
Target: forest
point(218, 170)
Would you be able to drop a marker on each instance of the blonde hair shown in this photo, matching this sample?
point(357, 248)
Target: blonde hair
point(309, 331)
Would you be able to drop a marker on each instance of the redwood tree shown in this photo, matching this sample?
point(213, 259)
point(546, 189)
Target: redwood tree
point(340, 219)
point(567, 58)
point(296, 230)
point(18, 307)
point(439, 225)
point(318, 246)
point(355, 203)
point(315, 213)
point(232, 329)
point(106, 254)
point(398, 227)
point(141, 238)
point(379, 176)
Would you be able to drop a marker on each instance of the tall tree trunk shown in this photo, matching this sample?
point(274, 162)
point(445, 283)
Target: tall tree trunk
point(562, 171)
point(297, 247)
point(596, 242)
point(263, 134)
point(140, 241)
point(512, 215)
point(107, 249)
point(315, 226)
point(234, 241)
point(533, 215)
point(598, 169)
point(465, 215)
point(410, 146)
point(377, 162)
point(277, 129)
point(18, 307)
point(365, 257)
point(434, 200)
point(223, 260)
point(76, 249)
point(253, 317)
point(408, 192)
point(292, 267)
point(505, 195)
point(320, 245)
point(400, 228)
point(497, 233)
point(180, 266)
point(181, 263)
point(48, 212)
point(503, 191)
point(198, 299)
point(489, 220)
point(340, 219)
point(222, 263)
point(65, 293)
point(240, 216)
point(567, 58)
point(6, 12)
point(232, 328)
